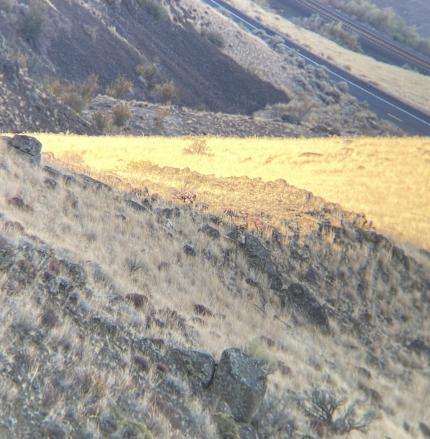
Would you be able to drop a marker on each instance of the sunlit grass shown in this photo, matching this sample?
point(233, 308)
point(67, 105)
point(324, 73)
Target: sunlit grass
point(386, 178)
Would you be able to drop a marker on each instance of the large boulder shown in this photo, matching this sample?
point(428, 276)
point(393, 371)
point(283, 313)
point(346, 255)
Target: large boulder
point(29, 147)
point(240, 382)
point(198, 367)
point(298, 298)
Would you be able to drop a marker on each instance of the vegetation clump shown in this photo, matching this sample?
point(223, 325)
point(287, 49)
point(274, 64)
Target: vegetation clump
point(120, 88)
point(76, 96)
point(166, 91)
point(148, 73)
point(120, 114)
point(154, 8)
point(198, 147)
point(385, 20)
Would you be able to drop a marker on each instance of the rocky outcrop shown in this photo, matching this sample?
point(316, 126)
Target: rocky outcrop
point(299, 299)
point(27, 146)
point(198, 367)
point(240, 382)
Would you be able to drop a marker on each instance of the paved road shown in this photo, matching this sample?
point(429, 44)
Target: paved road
point(406, 117)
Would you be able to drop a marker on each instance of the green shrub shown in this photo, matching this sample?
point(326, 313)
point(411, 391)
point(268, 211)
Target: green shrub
point(89, 88)
point(33, 20)
point(148, 72)
point(102, 121)
point(215, 38)
point(154, 8)
point(120, 115)
point(76, 96)
point(120, 88)
point(166, 92)
point(386, 20)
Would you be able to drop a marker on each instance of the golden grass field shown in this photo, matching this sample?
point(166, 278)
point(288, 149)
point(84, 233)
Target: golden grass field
point(388, 179)
point(409, 86)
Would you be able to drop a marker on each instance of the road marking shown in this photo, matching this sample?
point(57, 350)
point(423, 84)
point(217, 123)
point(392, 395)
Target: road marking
point(318, 64)
point(394, 117)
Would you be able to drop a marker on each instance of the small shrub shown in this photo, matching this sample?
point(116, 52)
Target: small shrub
point(102, 121)
point(166, 92)
point(154, 8)
point(198, 147)
point(33, 21)
point(74, 100)
point(160, 117)
point(215, 38)
point(120, 88)
point(120, 115)
point(147, 72)
point(76, 96)
point(322, 406)
point(89, 88)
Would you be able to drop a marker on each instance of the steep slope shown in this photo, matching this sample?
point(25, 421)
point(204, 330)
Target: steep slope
point(25, 108)
point(205, 60)
point(76, 39)
point(109, 300)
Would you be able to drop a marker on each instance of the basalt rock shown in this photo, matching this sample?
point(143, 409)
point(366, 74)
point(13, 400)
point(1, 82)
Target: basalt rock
point(27, 146)
point(240, 382)
point(298, 298)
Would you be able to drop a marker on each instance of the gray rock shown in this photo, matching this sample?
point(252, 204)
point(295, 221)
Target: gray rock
point(300, 299)
point(210, 231)
point(198, 367)
point(240, 382)
point(258, 256)
point(28, 146)
point(189, 250)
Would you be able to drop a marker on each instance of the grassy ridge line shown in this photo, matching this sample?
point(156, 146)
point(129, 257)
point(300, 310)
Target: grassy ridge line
point(386, 178)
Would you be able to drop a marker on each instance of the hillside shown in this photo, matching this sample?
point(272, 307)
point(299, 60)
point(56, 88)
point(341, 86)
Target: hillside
point(409, 86)
point(119, 310)
point(184, 54)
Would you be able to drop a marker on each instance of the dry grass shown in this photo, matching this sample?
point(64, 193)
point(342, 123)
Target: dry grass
point(87, 226)
point(386, 178)
point(409, 86)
